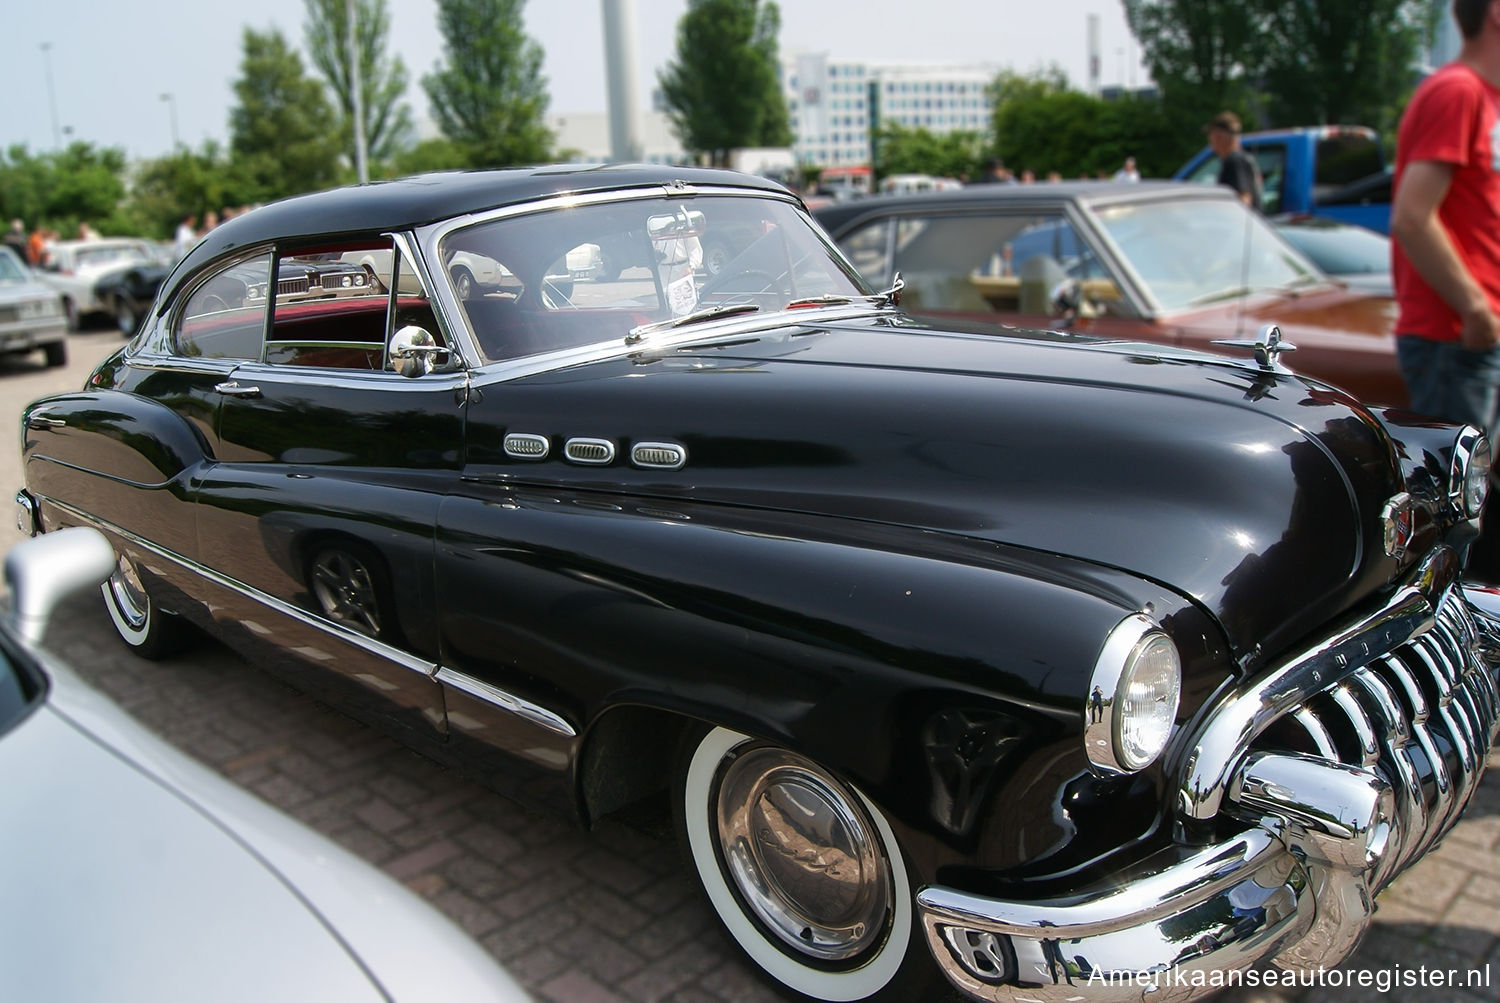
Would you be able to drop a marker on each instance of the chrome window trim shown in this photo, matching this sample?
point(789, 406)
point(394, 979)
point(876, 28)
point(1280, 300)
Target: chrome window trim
point(351, 379)
point(162, 342)
point(378, 648)
point(505, 701)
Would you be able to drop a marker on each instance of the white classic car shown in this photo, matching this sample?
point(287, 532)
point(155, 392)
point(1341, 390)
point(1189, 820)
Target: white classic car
point(76, 266)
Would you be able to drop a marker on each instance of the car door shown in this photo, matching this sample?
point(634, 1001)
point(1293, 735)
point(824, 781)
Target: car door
point(331, 464)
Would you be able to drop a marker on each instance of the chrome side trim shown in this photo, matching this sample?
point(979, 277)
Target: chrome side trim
point(526, 446)
point(506, 701)
point(377, 648)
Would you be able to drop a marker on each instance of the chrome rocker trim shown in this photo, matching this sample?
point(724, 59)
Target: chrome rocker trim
point(1325, 833)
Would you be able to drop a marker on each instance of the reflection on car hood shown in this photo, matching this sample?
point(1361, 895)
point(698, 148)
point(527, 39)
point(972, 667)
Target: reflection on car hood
point(133, 874)
point(1239, 488)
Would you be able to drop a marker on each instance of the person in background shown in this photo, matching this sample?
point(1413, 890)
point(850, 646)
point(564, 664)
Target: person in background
point(210, 220)
point(1128, 172)
point(1445, 255)
point(15, 239)
point(36, 248)
point(86, 232)
point(186, 236)
point(1237, 169)
point(995, 172)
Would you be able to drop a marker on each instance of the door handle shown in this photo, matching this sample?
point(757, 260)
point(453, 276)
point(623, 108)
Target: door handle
point(233, 389)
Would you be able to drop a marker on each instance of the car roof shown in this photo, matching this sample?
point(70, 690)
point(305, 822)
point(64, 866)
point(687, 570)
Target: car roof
point(404, 203)
point(840, 215)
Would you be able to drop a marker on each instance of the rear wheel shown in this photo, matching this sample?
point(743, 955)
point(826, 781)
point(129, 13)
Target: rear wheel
point(125, 316)
point(463, 283)
point(56, 354)
point(75, 319)
point(141, 623)
point(803, 871)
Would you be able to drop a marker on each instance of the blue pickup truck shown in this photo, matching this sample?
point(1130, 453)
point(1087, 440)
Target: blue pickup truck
point(1337, 171)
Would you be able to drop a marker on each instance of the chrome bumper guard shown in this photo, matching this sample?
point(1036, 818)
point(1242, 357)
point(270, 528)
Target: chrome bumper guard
point(1348, 763)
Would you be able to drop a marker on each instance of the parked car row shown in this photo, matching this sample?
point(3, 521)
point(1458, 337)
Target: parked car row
point(1010, 661)
point(31, 313)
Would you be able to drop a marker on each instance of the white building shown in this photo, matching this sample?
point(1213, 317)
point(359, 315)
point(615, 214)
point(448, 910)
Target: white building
point(583, 138)
point(836, 106)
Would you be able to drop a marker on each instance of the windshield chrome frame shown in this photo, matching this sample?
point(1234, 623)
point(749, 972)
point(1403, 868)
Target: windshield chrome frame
point(429, 240)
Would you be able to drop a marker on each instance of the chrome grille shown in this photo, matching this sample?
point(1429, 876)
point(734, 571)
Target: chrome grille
point(9, 314)
point(1423, 717)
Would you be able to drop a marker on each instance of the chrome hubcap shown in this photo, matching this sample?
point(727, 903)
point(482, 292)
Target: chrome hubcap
point(803, 854)
point(345, 592)
point(128, 593)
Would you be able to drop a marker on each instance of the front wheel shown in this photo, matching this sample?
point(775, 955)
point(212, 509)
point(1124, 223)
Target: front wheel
point(125, 317)
point(141, 623)
point(803, 871)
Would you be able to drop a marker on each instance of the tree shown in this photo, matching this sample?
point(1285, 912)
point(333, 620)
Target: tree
point(489, 98)
point(382, 78)
point(63, 188)
point(723, 91)
point(166, 189)
point(1202, 53)
point(279, 127)
point(1353, 62)
point(903, 150)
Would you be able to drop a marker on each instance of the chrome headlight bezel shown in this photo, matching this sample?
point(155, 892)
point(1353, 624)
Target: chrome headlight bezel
point(1469, 472)
point(1113, 738)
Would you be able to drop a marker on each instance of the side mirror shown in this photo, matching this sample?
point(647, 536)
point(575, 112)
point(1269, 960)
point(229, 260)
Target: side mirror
point(45, 570)
point(414, 351)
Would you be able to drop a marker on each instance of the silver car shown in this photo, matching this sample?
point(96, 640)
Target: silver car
point(31, 313)
point(132, 873)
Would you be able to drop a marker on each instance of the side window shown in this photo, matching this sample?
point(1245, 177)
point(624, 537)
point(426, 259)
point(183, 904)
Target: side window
point(331, 307)
point(997, 263)
point(1271, 159)
point(225, 316)
point(869, 249)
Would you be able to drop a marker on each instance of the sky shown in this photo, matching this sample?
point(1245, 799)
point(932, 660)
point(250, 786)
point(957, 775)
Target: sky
point(110, 63)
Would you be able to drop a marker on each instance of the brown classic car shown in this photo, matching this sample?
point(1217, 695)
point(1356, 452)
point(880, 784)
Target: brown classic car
point(1171, 263)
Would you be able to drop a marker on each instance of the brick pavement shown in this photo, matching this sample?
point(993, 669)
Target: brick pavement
point(612, 916)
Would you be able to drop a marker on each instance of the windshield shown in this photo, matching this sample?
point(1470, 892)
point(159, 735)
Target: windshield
point(591, 274)
point(1199, 251)
point(10, 266)
point(1341, 250)
point(94, 257)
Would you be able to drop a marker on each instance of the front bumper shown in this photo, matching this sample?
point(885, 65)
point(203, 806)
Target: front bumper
point(1345, 772)
point(22, 336)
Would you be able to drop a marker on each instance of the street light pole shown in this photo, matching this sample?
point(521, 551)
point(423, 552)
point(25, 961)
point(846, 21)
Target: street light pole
point(357, 99)
point(51, 95)
point(172, 110)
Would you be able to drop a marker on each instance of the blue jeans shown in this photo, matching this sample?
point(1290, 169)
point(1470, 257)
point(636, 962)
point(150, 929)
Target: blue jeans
point(1451, 382)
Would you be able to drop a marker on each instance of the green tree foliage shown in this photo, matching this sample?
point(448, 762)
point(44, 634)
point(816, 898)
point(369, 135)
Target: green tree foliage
point(382, 77)
point(489, 96)
point(1043, 126)
point(427, 156)
point(168, 188)
point(903, 150)
point(1202, 53)
point(724, 91)
point(63, 188)
point(1352, 62)
point(278, 129)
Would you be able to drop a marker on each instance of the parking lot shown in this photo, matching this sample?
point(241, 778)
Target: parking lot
point(608, 915)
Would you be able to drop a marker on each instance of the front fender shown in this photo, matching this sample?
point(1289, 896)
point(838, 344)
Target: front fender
point(943, 675)
point(128, 459)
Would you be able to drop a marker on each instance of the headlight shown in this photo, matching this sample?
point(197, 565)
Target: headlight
point(1469, 476)
point(1132, 699)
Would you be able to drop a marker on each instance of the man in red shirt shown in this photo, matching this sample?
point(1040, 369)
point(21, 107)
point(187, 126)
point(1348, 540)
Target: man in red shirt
point(1445, 218)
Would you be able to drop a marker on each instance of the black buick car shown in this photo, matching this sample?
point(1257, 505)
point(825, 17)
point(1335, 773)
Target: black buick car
point(1049, 664)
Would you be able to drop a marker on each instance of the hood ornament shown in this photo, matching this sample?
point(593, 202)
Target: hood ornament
point(1267, 348)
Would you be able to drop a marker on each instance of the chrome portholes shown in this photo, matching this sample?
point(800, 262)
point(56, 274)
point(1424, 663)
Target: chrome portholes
point(590, 452)
point(526, 446)
point(658, 455)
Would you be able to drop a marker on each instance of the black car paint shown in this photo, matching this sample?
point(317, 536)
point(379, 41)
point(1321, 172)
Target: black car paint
point(892, 548)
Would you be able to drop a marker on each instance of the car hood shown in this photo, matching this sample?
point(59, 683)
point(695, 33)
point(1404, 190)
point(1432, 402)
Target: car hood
point(1326, 307)
point(21, 292)
point(136, 875)
point(1249, 491)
